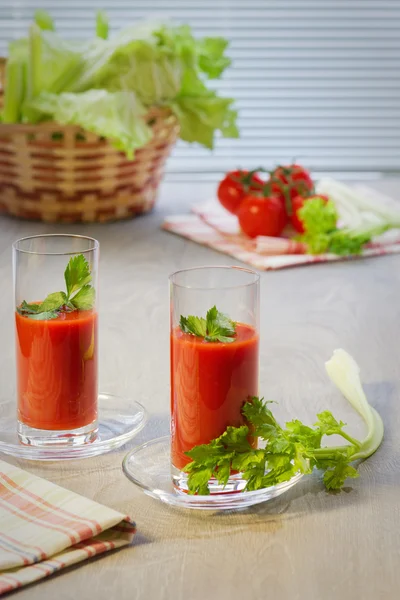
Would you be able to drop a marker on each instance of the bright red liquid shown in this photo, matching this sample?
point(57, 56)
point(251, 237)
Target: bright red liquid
point(210, 382)
point(57, 370)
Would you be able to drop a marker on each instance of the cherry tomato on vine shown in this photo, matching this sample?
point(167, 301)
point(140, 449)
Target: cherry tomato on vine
point(234, 187)
point(261, 215)
point(290, 181)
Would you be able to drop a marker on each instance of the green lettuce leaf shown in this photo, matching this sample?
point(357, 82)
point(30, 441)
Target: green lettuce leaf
point(117, 116)
point(201, 117)
point(164, 66)
point(154, 77)
point(53, 62)
point(211, 57)
point(201, 113)
point(150, 64)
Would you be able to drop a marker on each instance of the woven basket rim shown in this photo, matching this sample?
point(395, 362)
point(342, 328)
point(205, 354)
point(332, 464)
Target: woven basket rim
point(32, 127)
point(154, 111)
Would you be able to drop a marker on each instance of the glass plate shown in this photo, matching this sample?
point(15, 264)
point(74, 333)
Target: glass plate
point(119, 421)
point(148, 466)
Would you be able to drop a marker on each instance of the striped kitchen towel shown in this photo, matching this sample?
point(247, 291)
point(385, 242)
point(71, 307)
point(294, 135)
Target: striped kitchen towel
point(45, 528)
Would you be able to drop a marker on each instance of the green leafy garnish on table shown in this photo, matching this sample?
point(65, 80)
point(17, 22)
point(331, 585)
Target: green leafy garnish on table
point(294, 448)
point(322, 235)
point(80, 295)
point(216, 327)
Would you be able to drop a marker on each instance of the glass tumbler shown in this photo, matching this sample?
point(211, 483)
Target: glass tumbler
point(56, 322)
point(211, 380)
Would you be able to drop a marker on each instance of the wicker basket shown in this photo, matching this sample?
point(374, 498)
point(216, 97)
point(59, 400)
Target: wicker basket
point(55, 173)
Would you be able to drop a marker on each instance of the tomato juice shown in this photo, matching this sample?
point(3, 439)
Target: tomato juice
point(57, 370)
point(210, 382)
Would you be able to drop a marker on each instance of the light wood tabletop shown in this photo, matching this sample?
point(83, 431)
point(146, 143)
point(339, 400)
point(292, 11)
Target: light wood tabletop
point(306, 545)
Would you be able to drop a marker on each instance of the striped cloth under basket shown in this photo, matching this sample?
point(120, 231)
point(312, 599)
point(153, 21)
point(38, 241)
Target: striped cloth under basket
point(45, 528)
point(60, 173)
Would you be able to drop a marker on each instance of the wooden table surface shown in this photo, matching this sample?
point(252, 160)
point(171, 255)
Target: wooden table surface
point(307, 544)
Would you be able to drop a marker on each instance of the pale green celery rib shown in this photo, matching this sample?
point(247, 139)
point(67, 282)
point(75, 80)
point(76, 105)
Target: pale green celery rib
point(15, 89)
point(345, 374)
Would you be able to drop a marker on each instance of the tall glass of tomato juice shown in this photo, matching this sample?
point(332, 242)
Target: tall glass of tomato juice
point(56, 322)
point(211, 380)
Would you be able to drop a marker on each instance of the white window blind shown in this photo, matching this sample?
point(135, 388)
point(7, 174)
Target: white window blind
point(315, 80)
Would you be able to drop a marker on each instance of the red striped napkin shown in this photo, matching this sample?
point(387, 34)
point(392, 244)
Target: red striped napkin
point(45, 528)
point(210, 225)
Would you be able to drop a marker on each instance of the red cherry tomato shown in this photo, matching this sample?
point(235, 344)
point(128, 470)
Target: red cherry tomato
point(260, 215)
point(297, 204)
point(235, 186)
point(291, 181)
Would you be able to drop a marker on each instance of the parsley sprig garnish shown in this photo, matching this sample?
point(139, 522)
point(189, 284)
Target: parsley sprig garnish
point(216, 327)
point(289, 450)
point(295, 448)
point(80, 295)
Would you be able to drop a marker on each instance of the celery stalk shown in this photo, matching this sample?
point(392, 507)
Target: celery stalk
point(14, 90)
point(44, 20)
point(102, 25)
point(34, 65)
point(345, 374)
point(353, 203)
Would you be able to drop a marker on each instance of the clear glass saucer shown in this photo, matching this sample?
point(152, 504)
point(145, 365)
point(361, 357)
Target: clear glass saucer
point(119, 420)
point(149, 467)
